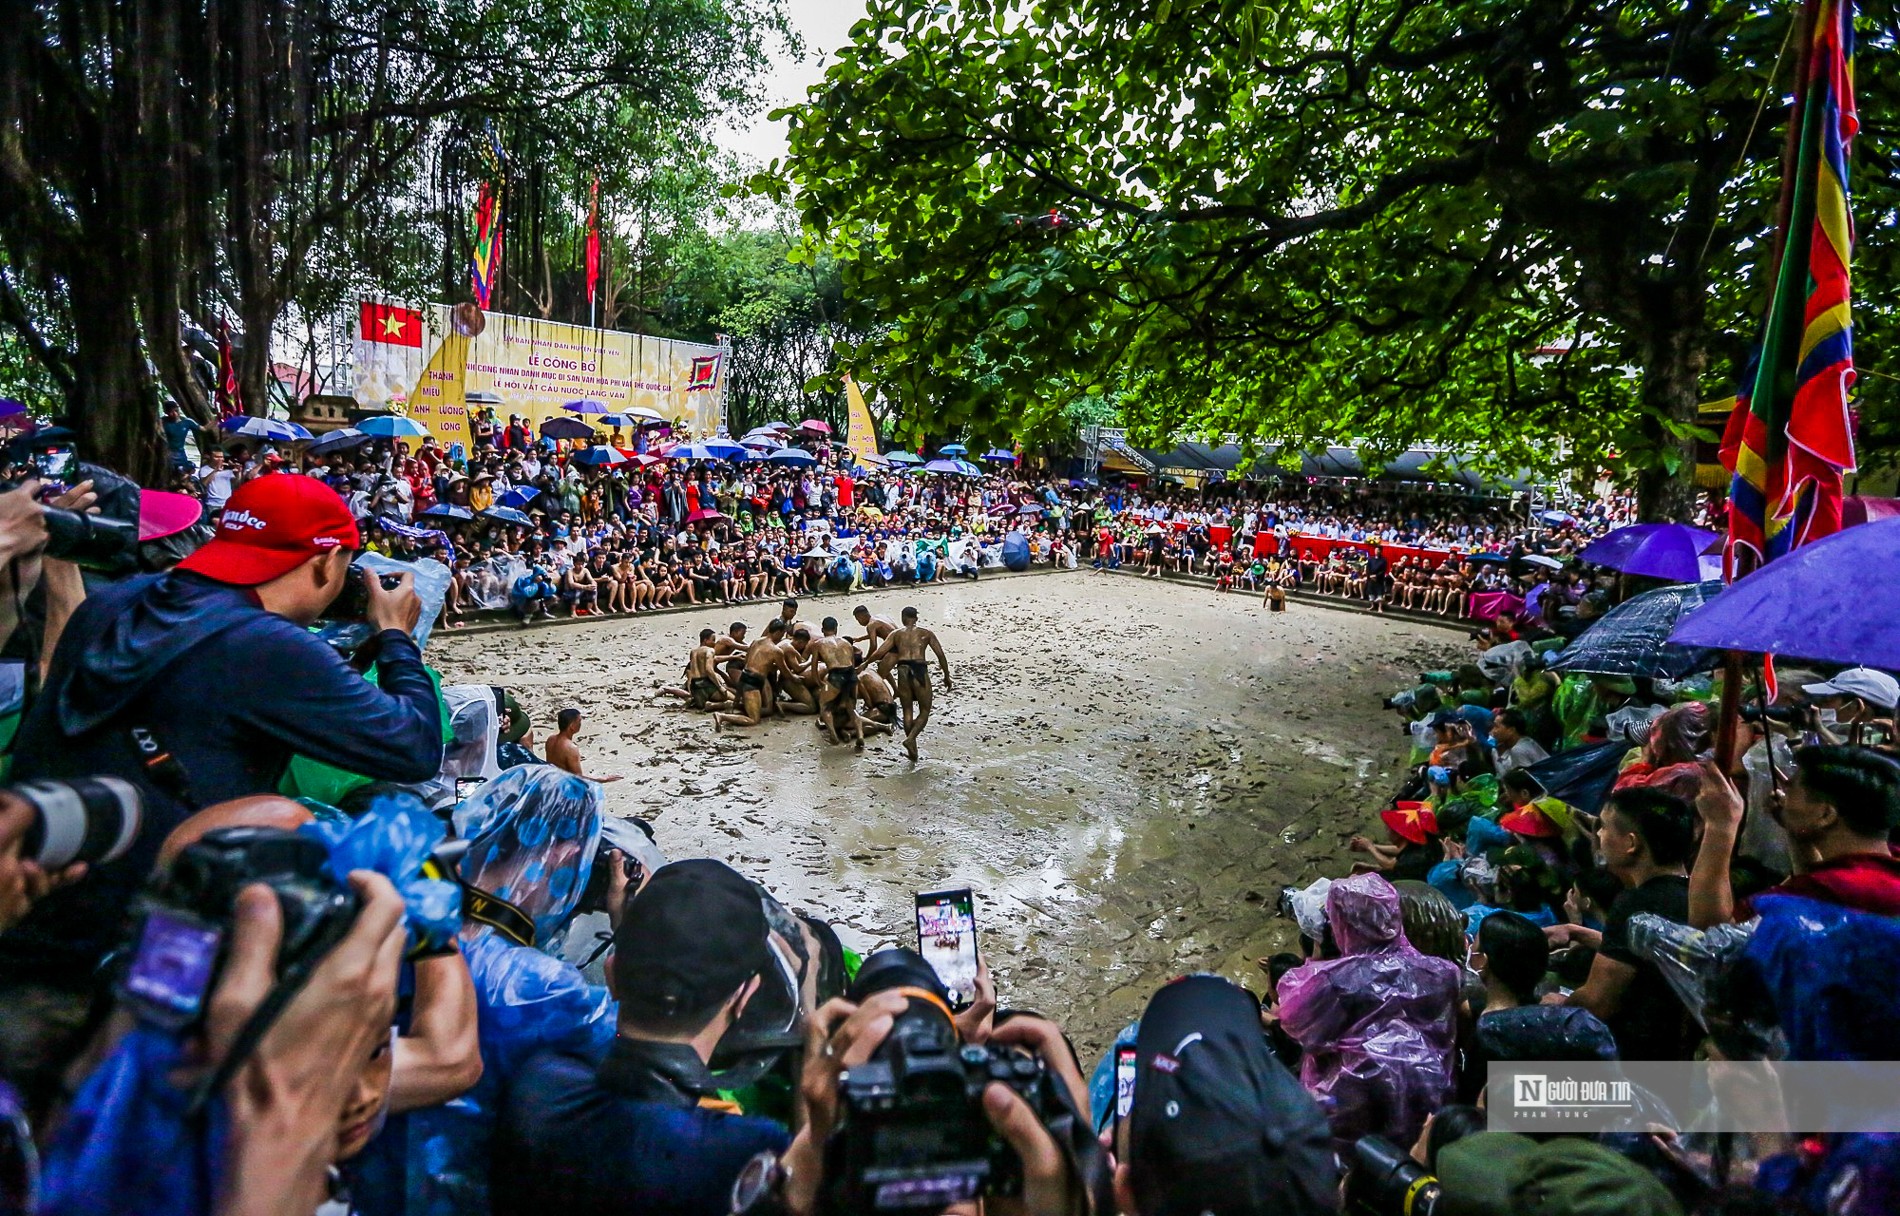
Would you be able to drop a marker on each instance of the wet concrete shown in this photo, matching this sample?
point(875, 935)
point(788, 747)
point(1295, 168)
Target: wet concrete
point(1127, 772)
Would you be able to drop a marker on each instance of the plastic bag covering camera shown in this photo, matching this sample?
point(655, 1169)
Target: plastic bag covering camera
point(1377, 1022)
point(1308, 906)
point(1690, 959)
point(394, 837)
point(127, 1145)
point(533, 834)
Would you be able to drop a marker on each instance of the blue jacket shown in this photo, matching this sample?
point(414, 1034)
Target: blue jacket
point(229, 689)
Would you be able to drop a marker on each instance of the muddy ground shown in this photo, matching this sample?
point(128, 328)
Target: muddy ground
point(1127, 771)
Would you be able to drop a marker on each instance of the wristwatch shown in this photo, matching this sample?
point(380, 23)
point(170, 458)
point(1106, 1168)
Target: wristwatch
point(759, 1190)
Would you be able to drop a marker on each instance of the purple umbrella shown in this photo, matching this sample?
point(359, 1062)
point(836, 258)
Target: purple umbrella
point(942, 466)
point(1815, 603)
point(1666, 551)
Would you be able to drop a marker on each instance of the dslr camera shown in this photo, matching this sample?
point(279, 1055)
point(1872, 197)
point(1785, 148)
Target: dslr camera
point(911, 1133)
point(1385, 1181)
point(352, 603)
point(89, 819)
point(181, 924)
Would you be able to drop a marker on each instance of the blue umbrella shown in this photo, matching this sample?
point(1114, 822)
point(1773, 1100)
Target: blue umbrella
point(268, 429)
point(509, 515)
point(1671, 551)
point(393, 426)
point(337, 441)
point(619, 420)
point(518, 497)
point(566, 428)
point(1818, 602)
point(586, 405)
point(712, 449)
point(598, 457)
point(448, 510)
point(953, 449)
point(1633, 638)
point(999, 454)
point(792, 456)
point(904, 458)
point(967, 469)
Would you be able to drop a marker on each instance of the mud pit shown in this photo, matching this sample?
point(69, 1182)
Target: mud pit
point(1127, 771)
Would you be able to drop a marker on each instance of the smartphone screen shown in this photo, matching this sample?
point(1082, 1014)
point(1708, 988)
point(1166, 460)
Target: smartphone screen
point(1124, 1082)
point(172, 968)
point(946, 937)
point(466, 786)
point(54, 464)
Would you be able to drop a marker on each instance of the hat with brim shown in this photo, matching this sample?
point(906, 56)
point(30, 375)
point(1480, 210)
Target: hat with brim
point(163, 513)
point(1476, 1173)
point(1873, 687)
point(1530, 821)
point(1413, 821)
point(271, 526)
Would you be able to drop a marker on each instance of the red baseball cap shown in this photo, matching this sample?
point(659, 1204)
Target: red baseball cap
point(271, 526)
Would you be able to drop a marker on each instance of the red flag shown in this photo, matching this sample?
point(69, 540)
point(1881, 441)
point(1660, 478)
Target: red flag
point(593, 241)
point(391, 323)
point(230, 396)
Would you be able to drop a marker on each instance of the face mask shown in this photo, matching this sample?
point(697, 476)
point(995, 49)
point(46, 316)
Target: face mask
point(1826, 717)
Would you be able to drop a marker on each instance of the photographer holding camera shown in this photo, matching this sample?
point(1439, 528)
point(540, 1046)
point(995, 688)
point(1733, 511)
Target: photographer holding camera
point(196, 687)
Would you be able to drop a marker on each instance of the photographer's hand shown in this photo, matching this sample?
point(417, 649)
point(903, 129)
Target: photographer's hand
point(399, 609)
point(1050, 1187)
point(285, 1099)
point(974, 1023)
point(24, 883)
point(22, 527)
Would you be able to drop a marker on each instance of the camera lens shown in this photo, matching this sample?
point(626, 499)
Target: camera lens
point(92, 819)
point(896, 968)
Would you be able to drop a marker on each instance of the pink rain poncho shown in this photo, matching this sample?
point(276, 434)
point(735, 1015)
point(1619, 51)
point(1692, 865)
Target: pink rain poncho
point(1377, 1023)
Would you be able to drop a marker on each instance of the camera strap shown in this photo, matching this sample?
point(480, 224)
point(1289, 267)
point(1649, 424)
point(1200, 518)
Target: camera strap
point(162, 768)
point(498, 914)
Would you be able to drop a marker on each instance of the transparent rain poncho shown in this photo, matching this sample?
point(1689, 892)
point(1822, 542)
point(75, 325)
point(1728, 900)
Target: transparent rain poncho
point(1377, 1023)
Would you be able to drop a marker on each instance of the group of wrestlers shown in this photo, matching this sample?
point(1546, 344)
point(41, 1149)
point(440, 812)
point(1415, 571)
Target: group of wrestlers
point(854, 685)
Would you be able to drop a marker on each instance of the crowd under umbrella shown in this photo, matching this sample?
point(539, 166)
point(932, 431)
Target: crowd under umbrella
point(966, 469)
point(566, 428)
point(711, 449)
point(1000, 454)
point(599, 457)
point(792, 456)
point(393, 426)
point(1633, 638)
point(338, 441)
point(448, 510)
point(270, 430)
point(509, 515)
point(586, 405)
point(518, 497)
point(946, 467)
point(1669, 551)
point(1812, 603)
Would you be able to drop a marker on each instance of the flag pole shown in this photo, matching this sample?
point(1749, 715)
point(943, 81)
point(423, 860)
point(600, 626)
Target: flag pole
point(1728, 730)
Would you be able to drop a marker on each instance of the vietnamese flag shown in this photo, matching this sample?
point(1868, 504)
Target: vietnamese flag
point(391, 323)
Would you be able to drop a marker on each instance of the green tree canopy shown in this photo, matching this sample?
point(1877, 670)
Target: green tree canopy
point(1532, 229)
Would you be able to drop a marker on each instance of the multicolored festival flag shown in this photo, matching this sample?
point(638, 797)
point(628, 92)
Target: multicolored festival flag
point(704, 375)
point(485, 259)
point(1790, 440)
point(593, 241)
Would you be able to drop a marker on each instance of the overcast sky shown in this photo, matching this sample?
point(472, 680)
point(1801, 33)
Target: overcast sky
point(825, 25)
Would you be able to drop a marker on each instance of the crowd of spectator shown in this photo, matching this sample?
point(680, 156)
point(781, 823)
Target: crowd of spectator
point(290, 927)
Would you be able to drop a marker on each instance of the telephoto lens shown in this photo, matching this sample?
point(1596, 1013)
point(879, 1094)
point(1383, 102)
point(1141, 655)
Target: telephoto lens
point(1385, 1181)
point(91, 819)
point(87, 540)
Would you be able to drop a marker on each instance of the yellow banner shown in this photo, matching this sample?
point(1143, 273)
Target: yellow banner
point(861, 434)
point(534, 368)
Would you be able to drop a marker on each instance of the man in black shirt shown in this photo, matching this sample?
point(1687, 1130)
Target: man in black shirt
point(645, 1130)
point(1645, 837)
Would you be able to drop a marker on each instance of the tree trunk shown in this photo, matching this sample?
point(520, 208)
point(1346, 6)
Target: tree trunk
point(1673, 363)
point(113, 404)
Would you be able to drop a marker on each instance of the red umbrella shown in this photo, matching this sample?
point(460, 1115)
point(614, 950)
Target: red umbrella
point(704, 515)
point(812, 424)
